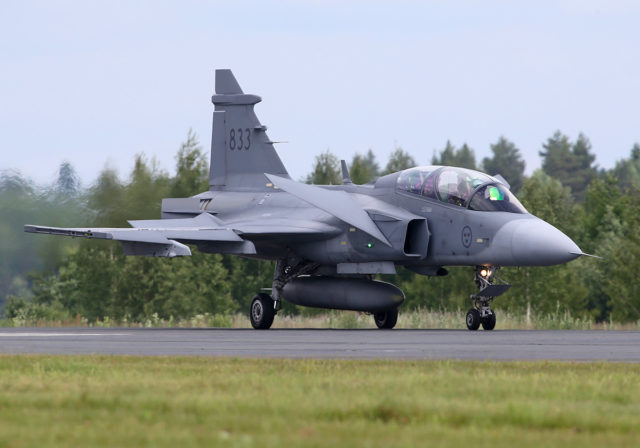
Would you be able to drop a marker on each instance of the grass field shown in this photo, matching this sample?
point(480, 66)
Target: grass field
point(162, 401)
point(414, 319)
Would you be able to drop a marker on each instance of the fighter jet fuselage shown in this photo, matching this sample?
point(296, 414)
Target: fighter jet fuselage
point(449, 234)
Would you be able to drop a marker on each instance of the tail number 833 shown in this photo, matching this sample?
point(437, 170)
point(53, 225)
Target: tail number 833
point(239, 139)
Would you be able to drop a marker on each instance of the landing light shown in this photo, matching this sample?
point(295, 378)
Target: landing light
point(484, 272)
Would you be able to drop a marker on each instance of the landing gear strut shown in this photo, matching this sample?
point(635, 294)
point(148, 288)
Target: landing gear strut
point(481, 313)
point(264, 307)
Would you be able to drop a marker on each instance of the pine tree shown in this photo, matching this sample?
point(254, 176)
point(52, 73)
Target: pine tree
point(326, 170)
point(364, 168)
point(570, 163)
point(192, 169)
point(507, 162)
point(627, 171)
point(450, 156)
point(68, 182)
point(399, 160)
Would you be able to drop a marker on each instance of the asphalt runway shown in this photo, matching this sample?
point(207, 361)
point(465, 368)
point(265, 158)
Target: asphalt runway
point(362, 344)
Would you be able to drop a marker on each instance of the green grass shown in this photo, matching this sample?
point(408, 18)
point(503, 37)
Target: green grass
point(414, 319)
point(164, 401)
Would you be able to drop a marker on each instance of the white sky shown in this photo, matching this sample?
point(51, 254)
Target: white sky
point(95, 83)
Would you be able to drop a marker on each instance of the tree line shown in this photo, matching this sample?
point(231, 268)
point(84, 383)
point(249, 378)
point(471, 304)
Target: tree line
point(59, 278)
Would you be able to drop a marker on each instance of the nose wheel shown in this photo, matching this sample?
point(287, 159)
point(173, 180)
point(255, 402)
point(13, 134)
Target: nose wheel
point(473, 319)
point(489, 321)
point(481, 313)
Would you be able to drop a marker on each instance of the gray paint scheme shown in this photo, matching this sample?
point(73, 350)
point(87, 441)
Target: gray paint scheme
point(254, 209)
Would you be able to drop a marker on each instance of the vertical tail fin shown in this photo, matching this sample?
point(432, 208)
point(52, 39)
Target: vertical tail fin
point(241, 151)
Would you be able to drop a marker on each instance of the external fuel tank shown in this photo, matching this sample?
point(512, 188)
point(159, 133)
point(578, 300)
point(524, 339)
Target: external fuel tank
point(357, 294)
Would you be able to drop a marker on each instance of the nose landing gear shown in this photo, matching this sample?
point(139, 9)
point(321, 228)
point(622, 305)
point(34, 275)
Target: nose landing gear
point(481, 313)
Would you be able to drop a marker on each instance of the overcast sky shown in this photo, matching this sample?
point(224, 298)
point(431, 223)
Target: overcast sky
point(94, 83)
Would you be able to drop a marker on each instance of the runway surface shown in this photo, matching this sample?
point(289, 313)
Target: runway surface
point(367, 344)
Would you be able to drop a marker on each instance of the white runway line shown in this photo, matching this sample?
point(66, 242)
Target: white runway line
point(50, 335)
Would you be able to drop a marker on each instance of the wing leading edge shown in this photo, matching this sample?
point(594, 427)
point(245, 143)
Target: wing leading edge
point(134, 241)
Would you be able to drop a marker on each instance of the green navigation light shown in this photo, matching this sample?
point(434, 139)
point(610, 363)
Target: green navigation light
point(369, 245)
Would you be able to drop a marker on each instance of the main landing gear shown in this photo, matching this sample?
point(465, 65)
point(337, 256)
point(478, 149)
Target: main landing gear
point(264, 307)
point(386, 320)
point(321, 290)
point(481, 313)
point(262, 311)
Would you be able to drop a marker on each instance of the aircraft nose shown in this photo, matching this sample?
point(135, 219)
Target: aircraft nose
point(535, 242)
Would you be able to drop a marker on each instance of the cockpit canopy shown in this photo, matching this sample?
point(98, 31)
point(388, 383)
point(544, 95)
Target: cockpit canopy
point(461, 187)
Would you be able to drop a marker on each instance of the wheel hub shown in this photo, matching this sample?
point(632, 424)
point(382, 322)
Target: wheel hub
point(257, 311)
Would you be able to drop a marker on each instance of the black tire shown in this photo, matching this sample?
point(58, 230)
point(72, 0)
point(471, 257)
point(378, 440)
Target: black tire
point(261, 311)
point(386, 320)
point(489, 322)
point(473, 319)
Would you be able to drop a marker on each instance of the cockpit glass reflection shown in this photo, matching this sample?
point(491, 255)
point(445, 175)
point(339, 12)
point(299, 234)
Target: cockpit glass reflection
point(455, 185)
point(460, 187)
point(495, 198)
point(413, 180)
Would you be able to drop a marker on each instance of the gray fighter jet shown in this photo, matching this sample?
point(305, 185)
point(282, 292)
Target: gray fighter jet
point(329, 241)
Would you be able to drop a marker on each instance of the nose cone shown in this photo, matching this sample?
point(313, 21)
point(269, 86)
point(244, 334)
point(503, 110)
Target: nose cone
point(533, 242)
